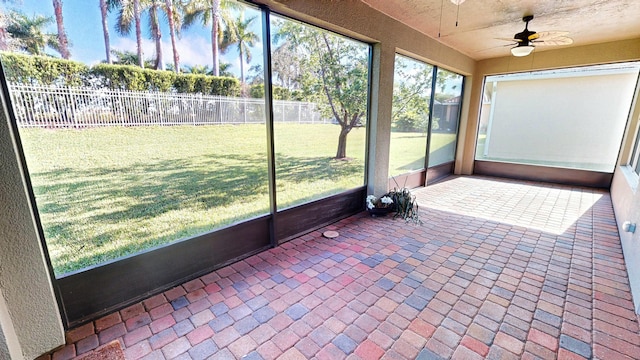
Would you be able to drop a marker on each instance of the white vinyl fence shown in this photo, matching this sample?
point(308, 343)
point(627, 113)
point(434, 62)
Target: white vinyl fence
point(52, 107)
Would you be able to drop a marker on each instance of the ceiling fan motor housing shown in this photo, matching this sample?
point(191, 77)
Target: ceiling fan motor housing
point(525, 35)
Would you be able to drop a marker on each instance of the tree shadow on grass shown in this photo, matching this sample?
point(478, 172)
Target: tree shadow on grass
point(84, 210)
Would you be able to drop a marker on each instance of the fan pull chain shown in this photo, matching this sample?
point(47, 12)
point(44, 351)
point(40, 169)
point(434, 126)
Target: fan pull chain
point(440, 27)
point(457, 14)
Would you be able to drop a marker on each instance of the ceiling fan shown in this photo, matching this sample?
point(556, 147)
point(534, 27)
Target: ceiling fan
point(527, 40)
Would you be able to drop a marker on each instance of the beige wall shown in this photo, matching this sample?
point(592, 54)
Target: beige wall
point(626, 202)
point(29, 320)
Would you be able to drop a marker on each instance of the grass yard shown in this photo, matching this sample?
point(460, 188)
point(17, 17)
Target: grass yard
point(108, 192)
point(408, 151)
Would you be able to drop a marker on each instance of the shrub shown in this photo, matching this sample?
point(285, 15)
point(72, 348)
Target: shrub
point(126, 77)
point(43, 70)
point(129, 77)
point(225, 86)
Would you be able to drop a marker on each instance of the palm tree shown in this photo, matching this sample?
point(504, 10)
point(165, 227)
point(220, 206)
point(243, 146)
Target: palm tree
point(172, 17)
point(63, 43)
point(127, 57)
point(212, 13)
point(156, 34)
point(198, 69)
point(104, 11)
point(244, 39)
point(130, 12)
point(28, 34)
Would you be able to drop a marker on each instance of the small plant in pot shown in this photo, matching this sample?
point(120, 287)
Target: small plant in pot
point(379, 206)
point(405, 205)
point(399, 200)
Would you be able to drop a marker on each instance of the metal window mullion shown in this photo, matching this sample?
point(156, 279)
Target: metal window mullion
point(268, 112)
point(432, 99)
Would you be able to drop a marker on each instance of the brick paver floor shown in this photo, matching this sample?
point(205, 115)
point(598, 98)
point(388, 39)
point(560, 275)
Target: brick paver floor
point(500, 269)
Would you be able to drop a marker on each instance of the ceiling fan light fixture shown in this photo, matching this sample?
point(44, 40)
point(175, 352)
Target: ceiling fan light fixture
point(457, 2)
point(522, 50)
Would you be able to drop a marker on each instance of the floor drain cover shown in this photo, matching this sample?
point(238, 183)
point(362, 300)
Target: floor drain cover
point(330, 234)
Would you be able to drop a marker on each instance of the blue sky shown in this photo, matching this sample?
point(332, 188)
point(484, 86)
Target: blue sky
point(84, 30)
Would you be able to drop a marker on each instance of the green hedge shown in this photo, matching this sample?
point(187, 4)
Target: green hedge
point(206, 84)
point(129, 77)
point(42, 70)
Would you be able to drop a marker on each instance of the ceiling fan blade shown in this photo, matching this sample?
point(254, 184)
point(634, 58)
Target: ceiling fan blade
point(544, 35)
point(561, 40)
point(509, 39)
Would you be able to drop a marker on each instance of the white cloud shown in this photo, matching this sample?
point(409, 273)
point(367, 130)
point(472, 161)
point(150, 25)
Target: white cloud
point(193, 49)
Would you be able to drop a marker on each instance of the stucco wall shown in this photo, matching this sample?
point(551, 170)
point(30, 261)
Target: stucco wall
point(29, 319)
point(626, 201)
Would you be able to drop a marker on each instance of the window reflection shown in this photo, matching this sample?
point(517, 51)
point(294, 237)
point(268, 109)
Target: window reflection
point(320, 145)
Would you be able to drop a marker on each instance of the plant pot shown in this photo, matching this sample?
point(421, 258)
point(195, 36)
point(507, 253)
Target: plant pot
point(378, 212)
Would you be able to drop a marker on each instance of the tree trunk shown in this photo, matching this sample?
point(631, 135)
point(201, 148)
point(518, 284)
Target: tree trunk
point(172, 33)
point(105, 29)
point(215, 28)
point(62, 35)
point(136, 15)
point(342, 143)
point(157, 36)
point(241, 64)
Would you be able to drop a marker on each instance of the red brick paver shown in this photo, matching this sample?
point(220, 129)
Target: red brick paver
point(499, 269)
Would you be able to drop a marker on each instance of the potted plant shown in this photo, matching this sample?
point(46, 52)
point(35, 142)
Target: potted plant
point(400, 200)
point(379, 206)
point(405, 204)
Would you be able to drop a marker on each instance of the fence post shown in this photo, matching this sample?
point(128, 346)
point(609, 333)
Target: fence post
point(119, 104)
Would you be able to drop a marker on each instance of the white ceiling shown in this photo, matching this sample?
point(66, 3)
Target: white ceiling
point(480, 22)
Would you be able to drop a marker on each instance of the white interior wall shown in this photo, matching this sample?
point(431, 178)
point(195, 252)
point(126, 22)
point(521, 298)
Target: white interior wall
point(577, 120)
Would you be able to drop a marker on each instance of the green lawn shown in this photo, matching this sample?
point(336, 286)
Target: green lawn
point(107, 192)
point(408, 151)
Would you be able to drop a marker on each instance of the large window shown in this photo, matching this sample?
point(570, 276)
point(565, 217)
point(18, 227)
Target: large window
point(420, 124)
point(446, 117)
point(124, 158)
point(412, 84)
point(144, 139)
point(569, 118)
point(320, 83)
